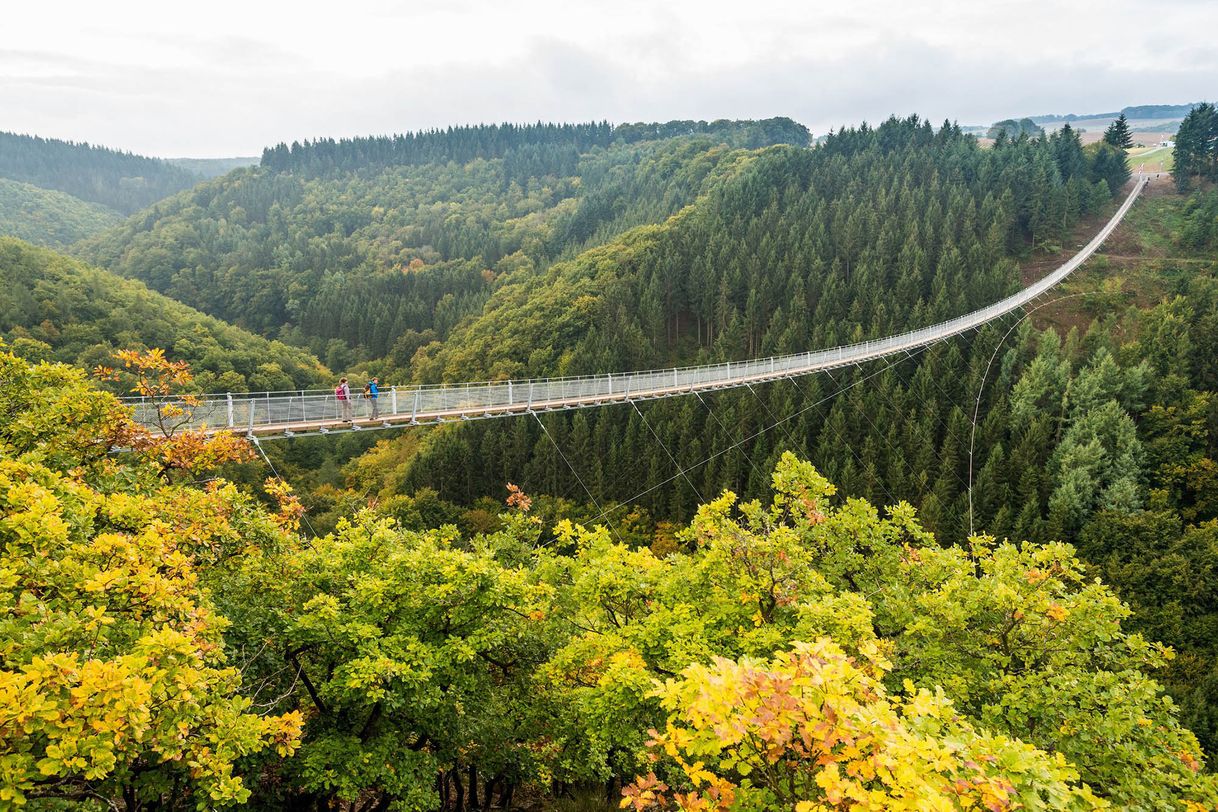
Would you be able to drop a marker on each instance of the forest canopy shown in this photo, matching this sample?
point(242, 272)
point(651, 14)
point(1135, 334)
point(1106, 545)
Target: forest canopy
point(49, 218)
point(664, 569)
point(59, 309)
point(551, 143)
point(179, 643)
point(122, 181)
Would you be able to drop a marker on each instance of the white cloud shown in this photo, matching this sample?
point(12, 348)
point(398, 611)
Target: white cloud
point(153, 78)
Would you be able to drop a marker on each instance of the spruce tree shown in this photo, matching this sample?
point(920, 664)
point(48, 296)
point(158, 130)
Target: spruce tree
point(1197, 146)
point(1118, 133)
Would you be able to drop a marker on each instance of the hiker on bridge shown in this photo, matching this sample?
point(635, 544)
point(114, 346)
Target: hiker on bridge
point(372, 391)
point(342, 394)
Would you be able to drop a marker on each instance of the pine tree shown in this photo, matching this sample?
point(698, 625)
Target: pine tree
point(1118, 133)
point(1197, 146)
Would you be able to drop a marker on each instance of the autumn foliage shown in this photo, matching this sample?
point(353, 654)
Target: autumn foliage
point(173, 643)
point(815, 729)
point(171, 443)
point(115, 682)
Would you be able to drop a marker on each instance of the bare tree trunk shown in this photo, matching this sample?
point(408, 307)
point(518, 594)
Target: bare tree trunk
point(473, 787)
point(442, 787)
point(460, 788)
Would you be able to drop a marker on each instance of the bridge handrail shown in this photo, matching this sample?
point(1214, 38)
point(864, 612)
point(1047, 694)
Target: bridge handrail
point(238, 410)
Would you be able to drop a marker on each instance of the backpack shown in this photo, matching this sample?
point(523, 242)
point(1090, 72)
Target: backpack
point(367, 390)
point(338, 392)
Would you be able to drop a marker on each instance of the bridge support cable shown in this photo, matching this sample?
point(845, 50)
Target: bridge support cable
point(892, 500)
point(675, 464)
point(796, 443)
point(762, 476)
point(304, 516)
point(613, 481)
point(824, 419)
point(575, 473)
point(802, 446)
point(744, 440)
point(943, 424)
point(972, 442)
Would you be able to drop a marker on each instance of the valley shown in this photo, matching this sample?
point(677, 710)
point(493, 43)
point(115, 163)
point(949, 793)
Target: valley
point(972, 571)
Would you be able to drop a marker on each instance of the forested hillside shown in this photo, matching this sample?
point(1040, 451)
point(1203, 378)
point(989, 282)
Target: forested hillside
point(119, 180)
point(56, 308)
point(551, 146)
point(172, 642)
point(484, 256)
point(876, 231)
point(49, 218)
point(371, 263)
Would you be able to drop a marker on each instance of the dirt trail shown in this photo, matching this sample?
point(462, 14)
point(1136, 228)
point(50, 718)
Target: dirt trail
point(1123, 244)
point(1122, 250)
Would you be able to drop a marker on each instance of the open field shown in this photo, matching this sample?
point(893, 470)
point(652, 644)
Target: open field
point(1151, 159)
point(1141, 264)
point(1144, 138)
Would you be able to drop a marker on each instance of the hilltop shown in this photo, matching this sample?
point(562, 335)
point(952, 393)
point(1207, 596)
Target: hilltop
point(59, 309)
point(121, 181)
point(50, 218)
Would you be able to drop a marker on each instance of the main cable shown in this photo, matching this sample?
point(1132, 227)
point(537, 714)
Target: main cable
point(304, 515)
point(676, 464)
point(981, 388)
point(578, 478)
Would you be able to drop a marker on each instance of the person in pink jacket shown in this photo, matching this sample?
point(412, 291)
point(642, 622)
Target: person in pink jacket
point(342, 393)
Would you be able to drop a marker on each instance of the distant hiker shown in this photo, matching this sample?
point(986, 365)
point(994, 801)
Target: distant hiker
point(342, 393)
point(371, 391)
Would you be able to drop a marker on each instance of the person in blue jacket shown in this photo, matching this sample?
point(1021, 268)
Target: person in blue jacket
point(372, 391)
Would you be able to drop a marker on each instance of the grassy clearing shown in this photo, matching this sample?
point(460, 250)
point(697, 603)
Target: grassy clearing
point(1141, 265)
point(1151, 226)
point(1152, 159)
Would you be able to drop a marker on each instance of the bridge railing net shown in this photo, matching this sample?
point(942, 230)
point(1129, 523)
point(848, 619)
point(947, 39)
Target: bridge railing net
point(305, 408)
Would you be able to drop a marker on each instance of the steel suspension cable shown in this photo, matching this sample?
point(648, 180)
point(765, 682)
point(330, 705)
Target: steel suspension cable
point(578, 478)
point(842, 440)
point(892, 500)
point(304, 516)
point(676, 464)
point(981, 388)
point(756, 469)
point(743, 440)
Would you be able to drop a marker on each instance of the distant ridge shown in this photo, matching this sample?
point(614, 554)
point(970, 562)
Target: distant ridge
point(213, 167)
point(544, 141)
point(123, 181)
point(1135, 112)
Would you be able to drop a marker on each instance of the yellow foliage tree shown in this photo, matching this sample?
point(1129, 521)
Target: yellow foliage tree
point(173, 445)
point(114, 684)
point(815, 730)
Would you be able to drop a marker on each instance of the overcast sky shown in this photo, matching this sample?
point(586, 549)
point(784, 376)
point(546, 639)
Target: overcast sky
point(227, 78)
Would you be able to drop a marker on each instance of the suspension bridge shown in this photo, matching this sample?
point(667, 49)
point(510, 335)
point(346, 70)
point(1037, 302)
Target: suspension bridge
point(270, 415)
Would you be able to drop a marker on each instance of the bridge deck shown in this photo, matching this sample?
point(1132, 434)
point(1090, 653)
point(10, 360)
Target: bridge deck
point(286, 414)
